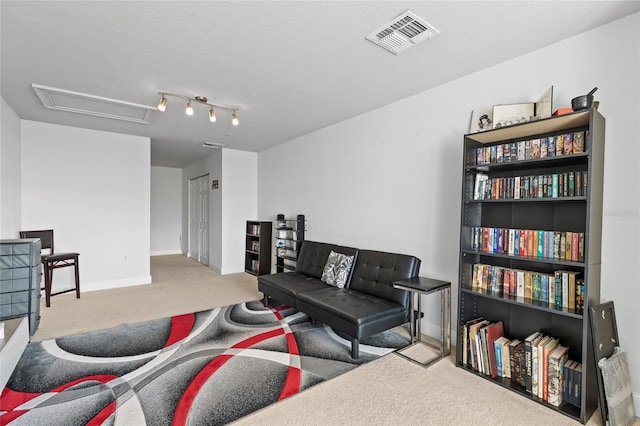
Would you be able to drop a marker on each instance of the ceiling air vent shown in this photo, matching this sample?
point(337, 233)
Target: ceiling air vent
point(404, 32)
point(82, 103)
point(213, 145)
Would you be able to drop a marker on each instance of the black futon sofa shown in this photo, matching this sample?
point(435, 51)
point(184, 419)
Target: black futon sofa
point(366, 305)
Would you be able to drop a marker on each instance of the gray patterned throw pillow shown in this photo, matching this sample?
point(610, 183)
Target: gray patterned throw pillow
point(336, 270)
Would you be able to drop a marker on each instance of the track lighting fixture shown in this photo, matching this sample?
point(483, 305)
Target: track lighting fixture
point(162, 106)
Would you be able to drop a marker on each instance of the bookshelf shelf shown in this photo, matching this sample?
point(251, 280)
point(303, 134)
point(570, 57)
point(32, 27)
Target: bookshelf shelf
point(525, 259)
point(523, 301)
point(565, 408)
point(288, 240)
point(558, 206)
point(257, 254)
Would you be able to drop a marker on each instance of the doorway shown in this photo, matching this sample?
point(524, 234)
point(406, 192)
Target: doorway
point(199, 219)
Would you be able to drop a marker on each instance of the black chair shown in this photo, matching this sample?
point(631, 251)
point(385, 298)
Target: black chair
point(53, 261)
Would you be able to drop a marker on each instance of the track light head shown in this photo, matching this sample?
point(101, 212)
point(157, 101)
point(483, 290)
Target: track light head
point(234, 118)
point(189, 108)
point(162, 105)
point(212, 115)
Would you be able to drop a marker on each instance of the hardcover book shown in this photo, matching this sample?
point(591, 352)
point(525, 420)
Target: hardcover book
point(551, 146)
point(568, 144)
point(513, 365)
point(502, 345)
point(493, 332)
point(578, 142)
point(520, 283)
point(546, 350)
point(473, 333)
point(559, 144)
point(521, 150)
point(535, 149)
point(557, 359)
point(528, 348)
point(537, 390)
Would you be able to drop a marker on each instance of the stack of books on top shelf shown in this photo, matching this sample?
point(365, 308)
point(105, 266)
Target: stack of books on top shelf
point(539, 364)
point(529, 243)
point(532, 149)
point(562, 289)
point(254, 229)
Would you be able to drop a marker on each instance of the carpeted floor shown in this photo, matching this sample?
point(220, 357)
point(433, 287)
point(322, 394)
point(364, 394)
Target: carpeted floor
point(386, 391)
point(210, 367)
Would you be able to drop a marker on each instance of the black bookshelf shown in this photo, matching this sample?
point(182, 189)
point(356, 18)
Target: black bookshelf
point(580, 213)
point(257, 254)
point(288, 240)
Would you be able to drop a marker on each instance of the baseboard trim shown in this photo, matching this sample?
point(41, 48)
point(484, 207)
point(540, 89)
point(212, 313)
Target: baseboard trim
point(105, 285)
point(165, 252)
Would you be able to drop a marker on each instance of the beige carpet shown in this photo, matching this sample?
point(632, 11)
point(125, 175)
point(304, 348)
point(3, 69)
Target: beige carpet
point(388, 391)
point(180, 285)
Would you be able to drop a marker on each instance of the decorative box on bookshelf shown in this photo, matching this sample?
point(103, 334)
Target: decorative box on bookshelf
point(290, 233)
point(257, 255)
point(530, 258)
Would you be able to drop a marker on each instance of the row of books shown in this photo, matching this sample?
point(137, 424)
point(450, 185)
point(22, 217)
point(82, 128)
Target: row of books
point(556, 185)
point(253, 229)
point(539, 364)
point(255, 245)
point(562, 289)
point(531, 149)
point(255, 266)
point(536, 243)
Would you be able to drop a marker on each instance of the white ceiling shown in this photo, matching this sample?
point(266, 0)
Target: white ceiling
point(292, 66)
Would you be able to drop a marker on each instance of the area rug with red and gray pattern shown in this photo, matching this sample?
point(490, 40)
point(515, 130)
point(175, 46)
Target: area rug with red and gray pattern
point(210, 367)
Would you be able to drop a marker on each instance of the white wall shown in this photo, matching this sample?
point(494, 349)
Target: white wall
point(239, 185)
point(230, 205)
point(391, 179)
point(213, 164)
point(92, 188)
point(166, 210)
point(10, 196)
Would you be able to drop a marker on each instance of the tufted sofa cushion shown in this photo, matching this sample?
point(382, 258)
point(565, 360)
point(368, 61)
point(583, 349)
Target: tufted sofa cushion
point(313, 256)
point(375, 272)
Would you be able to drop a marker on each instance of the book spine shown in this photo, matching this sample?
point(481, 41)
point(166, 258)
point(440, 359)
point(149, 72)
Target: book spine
point(497, 348)
point(571, 293)
point(558, 289)
point(565, 289)
point(534, 369)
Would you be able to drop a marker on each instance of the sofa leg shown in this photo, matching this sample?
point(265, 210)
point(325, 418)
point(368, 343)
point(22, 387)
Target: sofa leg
point(355, 348)
point(265, 301)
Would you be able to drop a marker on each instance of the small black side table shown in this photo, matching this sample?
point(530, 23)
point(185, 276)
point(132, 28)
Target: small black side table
point(419, 286)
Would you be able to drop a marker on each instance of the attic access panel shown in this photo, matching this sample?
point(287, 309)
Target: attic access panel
point(83, 103)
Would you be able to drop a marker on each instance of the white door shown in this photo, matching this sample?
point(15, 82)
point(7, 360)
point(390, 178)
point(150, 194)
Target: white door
point(199, 219)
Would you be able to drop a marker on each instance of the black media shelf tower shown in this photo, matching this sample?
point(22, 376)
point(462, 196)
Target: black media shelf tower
point(289, 237)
